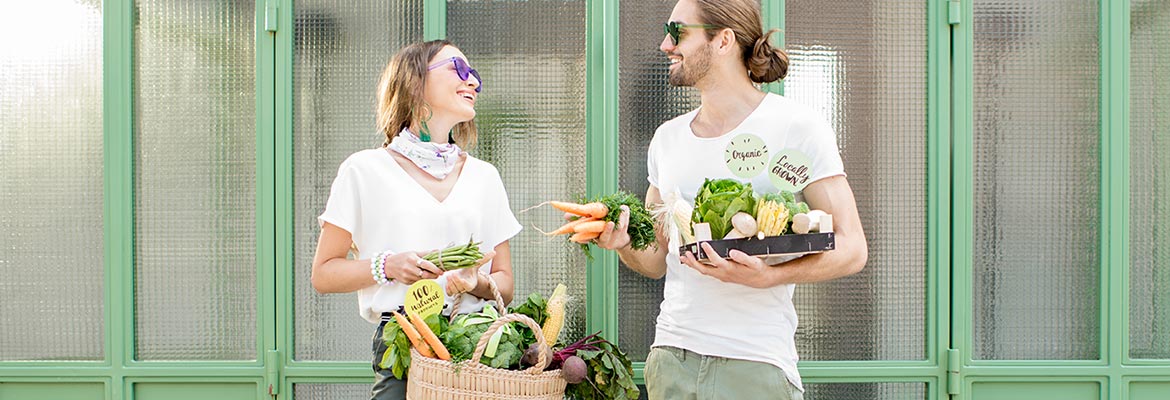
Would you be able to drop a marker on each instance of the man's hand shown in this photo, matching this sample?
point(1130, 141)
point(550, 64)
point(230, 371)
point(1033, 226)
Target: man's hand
point(615, 236)
point(739, 268)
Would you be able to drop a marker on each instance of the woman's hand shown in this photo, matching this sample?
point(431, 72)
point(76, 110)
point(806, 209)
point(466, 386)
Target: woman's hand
point(409, 267)
point(466, 279)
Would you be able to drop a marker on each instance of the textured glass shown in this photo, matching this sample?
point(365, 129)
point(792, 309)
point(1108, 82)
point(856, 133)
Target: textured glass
point(341, 47)
point(336, 391)
point(862, 66)
point(1149, 133)
point(531, 121)
point(865, 391)
point(645, 101)
point(51, 180)
point(1036, 180)
point(195, 180)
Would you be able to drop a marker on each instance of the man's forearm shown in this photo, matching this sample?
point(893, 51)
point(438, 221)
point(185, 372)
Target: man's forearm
point(849, 258)
point(650, 262)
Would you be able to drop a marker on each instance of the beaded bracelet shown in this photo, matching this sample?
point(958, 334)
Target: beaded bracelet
point(378, 267)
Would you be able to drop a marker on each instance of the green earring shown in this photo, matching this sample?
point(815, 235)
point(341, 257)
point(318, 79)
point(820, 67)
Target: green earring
point(425, 135)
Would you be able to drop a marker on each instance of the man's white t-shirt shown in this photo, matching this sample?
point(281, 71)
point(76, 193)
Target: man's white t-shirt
point(700, 313)
point(383, 208)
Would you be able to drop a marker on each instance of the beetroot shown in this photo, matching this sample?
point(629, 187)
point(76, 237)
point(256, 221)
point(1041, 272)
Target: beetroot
point(531, 355)
point(587, 343)
point(574, 369)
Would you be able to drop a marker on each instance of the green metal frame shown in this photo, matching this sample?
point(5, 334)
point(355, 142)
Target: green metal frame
point(1114, 369)
point(962, 186)
point(601, 154)
point(119, 370)
point(292, 371)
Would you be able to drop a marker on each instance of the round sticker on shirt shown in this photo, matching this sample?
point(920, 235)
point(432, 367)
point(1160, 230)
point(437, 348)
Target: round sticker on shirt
point(789, 170)
point(746, 155)
point(424, 297)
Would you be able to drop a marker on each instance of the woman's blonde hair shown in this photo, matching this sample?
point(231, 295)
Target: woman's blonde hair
point(400, 94)
point(764, 62)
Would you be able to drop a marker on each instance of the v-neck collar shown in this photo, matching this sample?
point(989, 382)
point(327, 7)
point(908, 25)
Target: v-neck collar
point(418, 185)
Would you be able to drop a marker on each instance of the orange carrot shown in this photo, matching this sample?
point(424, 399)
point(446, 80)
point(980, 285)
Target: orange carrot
point(568, 227)
point(591, 226)
point(595, 210)
point(429, 336)
point(412, 334)
point(582, 237)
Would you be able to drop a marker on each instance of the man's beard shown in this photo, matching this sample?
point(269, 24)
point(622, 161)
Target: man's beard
point(689, 75)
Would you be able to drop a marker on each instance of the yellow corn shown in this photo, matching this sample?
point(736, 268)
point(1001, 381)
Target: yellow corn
point(556, 314)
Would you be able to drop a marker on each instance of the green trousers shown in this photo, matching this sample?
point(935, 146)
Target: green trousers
point(675, 374)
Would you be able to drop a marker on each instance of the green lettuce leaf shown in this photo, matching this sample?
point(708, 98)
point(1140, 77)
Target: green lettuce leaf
point(718, 200)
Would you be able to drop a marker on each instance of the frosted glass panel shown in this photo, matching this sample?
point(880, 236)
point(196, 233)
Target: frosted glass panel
point(326, 391)
point(865, 391)
point(341, 47)
point(645, 101)
point(531, 121)
point(1036, 260)
point(1149, 133)
point(51, 180)
point(195, 181)
point(869, 81)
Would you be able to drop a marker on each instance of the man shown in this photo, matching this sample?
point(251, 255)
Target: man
point(726, 329)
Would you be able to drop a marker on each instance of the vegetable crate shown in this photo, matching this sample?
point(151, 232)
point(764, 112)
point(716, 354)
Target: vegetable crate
point(772, 249)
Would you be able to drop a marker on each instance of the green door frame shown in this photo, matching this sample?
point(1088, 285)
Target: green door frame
point(290, 371)
point(119, 371)
point(1115, 369)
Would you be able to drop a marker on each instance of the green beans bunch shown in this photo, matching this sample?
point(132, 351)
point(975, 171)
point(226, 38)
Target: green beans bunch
point(456, 257)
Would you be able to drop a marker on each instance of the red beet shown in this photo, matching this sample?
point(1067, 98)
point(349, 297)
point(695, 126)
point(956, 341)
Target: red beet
point(574, 369)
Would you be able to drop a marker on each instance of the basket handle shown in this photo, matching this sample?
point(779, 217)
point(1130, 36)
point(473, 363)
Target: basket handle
point(495, 293)
point(542, 358)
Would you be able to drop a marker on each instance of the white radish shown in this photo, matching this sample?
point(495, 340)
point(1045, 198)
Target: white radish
point(745, 224)
point(807, 222)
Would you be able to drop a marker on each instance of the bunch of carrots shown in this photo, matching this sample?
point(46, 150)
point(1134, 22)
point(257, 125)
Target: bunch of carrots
point(588, 224)
point(590, 217)
point(421, 336)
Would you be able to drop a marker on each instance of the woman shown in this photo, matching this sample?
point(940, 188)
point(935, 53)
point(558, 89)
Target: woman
point(417, 193)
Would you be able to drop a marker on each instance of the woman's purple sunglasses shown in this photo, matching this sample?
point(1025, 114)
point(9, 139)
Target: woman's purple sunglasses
point(462, 69)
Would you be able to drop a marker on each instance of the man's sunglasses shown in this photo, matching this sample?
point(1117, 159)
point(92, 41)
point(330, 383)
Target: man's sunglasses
point(462, 69)
point(674, 29)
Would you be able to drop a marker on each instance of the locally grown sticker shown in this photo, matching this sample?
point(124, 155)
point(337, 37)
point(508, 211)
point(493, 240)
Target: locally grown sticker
point(746, 155)
point(424, 297)
point(789, 170)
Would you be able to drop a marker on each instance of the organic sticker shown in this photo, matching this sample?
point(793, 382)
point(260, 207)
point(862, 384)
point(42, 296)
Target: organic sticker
point(746, 155)
point(789, 170)
point(424, 297)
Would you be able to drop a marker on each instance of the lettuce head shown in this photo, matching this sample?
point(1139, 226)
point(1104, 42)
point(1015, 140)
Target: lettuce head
point(718, 200)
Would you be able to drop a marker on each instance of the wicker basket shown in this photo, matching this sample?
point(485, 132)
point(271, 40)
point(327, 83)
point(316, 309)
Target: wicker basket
point(435, 379)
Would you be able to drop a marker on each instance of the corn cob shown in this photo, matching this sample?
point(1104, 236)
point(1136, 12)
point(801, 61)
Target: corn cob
point(556, 315)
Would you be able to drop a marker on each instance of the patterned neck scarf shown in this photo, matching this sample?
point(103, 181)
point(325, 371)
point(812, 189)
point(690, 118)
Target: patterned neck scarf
point(436, 159)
